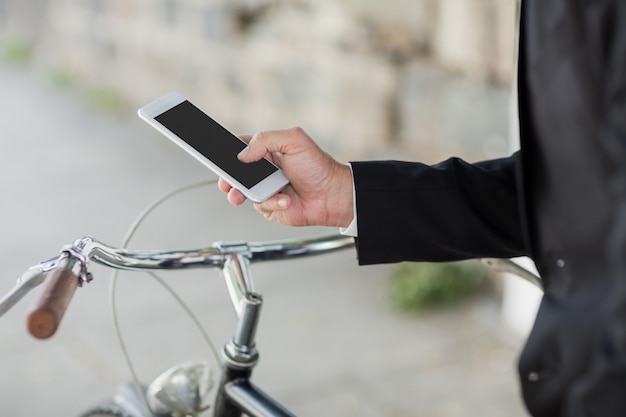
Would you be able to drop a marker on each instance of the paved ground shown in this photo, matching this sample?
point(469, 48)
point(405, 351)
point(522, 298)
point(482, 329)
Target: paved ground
point(330, 343)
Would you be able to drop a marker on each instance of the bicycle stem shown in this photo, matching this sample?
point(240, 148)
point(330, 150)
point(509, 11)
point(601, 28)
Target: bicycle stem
point(240, 352)
point(238, 280)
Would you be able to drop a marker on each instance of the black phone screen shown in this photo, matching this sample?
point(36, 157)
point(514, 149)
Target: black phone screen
point(213, 141)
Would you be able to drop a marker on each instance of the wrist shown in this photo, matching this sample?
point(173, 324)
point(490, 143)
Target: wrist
point(342, 199)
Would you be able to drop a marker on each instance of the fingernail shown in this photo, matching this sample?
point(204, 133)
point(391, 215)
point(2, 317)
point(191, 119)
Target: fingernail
point(244, 152)
point(282, 202)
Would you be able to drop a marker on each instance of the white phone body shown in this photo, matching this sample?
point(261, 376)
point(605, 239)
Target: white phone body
point(214, 146)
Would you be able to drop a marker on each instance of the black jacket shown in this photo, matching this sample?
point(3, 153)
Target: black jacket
point(561, 201)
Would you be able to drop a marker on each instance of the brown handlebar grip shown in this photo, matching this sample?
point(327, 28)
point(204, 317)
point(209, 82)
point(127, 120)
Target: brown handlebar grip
point(44, 318)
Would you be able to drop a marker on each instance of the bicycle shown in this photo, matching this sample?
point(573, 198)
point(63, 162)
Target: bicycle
point(183, 390)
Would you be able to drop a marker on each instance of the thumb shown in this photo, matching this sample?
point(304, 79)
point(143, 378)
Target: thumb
point(264, 143)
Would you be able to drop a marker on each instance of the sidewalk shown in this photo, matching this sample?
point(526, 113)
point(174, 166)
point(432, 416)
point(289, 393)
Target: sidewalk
point(330, 344)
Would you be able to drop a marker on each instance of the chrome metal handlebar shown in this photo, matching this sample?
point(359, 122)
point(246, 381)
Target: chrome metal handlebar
point(231, 257)
point(211, 256)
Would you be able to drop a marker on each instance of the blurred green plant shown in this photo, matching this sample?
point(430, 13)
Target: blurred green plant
point(415, 286)
point(16, 51)
point(60, 77)
point(98, 97)
point(105, 98)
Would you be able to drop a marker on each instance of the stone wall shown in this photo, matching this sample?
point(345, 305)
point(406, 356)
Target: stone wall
point(399, 78)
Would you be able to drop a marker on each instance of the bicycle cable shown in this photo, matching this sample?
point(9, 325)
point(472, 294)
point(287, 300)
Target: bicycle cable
point(112, 286)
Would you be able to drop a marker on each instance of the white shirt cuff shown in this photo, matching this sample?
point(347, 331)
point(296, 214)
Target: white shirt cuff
point(352, 229)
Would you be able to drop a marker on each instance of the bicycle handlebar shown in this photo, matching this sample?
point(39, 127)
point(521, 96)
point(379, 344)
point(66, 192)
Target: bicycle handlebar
point(211, 256)
point(70, 269)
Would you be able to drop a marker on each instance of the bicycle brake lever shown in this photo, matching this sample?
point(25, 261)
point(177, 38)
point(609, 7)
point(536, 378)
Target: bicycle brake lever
point(33, 277)
point(36, 275)
point(46, 266)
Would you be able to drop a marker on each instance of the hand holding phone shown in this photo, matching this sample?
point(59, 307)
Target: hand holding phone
point(213, 145)
point(321, 190)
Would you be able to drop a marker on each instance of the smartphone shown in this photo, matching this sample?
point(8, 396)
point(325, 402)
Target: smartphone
point(213, 145)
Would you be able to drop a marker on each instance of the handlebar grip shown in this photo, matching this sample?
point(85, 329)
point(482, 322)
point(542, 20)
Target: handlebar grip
point(44, 318)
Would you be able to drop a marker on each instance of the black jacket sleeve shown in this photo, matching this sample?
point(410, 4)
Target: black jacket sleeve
point(445, 212)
